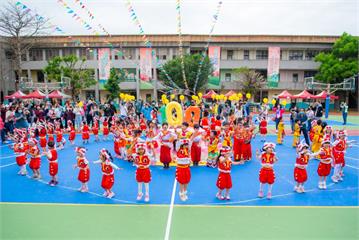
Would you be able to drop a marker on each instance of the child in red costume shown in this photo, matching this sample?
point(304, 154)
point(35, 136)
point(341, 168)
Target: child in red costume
point(51, 155)
point(325, 155)
point(266, 174)
point(72, 131)
point(83, 165)
point(95, 128)
point(195, 147)
point(35, 160)
point(224, 180)
point(50, 132)
point(166, 139)
point(42, 136)
point(183, 172)
point(152, 144)
point(105, 129)
point(85, 133)
point(205, 124)
point(59, 136)
point(20, 152)
point(107, 167)
point(340, 146)
point(143, 173)
point(263, 128)
point(300, 169)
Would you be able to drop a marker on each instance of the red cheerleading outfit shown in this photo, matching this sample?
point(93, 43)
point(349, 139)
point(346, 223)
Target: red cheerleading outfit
point(247, 147)
point(53, 165)
point(151, 143)
point(72, 133)
point(108, 178)
point(95, 129)
point(300, 170)
point(143, 125)
point(263, 127)
point(58, 135)
point(42, 138)
point(266, 174)
point(205, 126)
point(165, 150)
point(35, 160)
point(339, 148)
point(183, 172)
point(85, 132)
point(325, 157)
point(143, 173)
point(105, 129)
point(50, 133)
point(84, 173)
point(224, 180)
point(196, 149)
point(20, 153)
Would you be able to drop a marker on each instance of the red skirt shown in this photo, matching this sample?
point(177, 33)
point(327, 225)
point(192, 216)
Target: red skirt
point(84, 175)
point(324, 169)
point(266, 175)
point(195, 152)
point(85, 136)
point(300, 175)
point(21, 160)
point(72, 136)
point(143, 175)
point(338, 157)
point(35, 163)
point(43, 142)
point(59, 138)
point(247, 151)
point(106, 131)
point(95, 131)
point(224, 181)
point(165, 154)
point(53, 168)
point(51, 138)
point(237, 149)
point(263, 131)
point(183, 175)
point(107, 181)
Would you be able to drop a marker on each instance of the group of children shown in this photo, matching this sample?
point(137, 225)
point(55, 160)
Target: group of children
point(143, 143)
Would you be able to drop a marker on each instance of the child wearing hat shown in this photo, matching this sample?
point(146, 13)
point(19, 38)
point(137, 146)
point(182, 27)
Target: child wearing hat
point(95, 127)
point(35, 160)
point(85, 133)
point(212, 150)
point(300, 169)
point(20, 152)
point(72, 131)
point(83, 165)
point(51, 155)
point(325, 155)
point(143, 173)
point(266, 174)
point(339, 147)
point(183, 173)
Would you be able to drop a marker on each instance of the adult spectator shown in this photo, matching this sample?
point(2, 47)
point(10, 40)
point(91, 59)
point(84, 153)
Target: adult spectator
point(293, 116)
point(2, 131)
point(69, 115)
point(302, 117)
point(79, 113)
point(20, 118)
point(344, 109)
point(310, 115)
point(278, 115)
point(10, 119)
point(318, 110)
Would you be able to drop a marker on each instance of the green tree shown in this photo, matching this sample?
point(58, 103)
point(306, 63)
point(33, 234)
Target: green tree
point(72, 67)
point(191, 65)
point(341, 62)
point(113, 84)
point(248, 80)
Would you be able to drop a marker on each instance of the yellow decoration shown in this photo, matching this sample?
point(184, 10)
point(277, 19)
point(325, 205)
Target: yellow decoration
point(81, 104)
point(284, 102)
point(200, 95)
point(122, 95)
point(265, 100)
point(248, 95)
point(173, 96)
point(225, 98)
point(239, 95)
point(171, 119)
point(213, 96)
point(181, 97)
point(274, 101)
point(163, 96)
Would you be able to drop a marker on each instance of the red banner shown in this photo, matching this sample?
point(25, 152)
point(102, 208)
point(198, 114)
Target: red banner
point(145, 64)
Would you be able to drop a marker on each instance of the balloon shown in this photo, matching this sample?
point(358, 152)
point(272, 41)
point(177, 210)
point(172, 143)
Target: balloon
point(173, 96)
point(239, 95)
point(221, 97)
point(265, 100)
point(163, 96)
point(231, 98)
point(274, 101)
point(217, 97)
point(284, 102)
point(81, 104)
point(248, 95)
point(122, 95)
point(225, 98)
point(213, 96)
point(200, 95)
point(181, 97)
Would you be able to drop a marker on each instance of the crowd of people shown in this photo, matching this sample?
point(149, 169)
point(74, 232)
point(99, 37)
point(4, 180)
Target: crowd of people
point(142, 136)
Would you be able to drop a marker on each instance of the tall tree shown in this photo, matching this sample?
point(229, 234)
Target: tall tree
point(248, 80)
point(191, 65)
point(341, 62)
point(72, 67)
point(113, 84)
point(20, 27)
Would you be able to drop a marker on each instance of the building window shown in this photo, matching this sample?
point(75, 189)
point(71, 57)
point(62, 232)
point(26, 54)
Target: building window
point(246, 54)
point(51, 53)
point(295, 77)
point(40, 77)
point(35, 55)
point(227, 77)
point(310, 54)
point(68, 51)
point(229, 54)
point(295, 55)
point(261, 54)
point(309, 74)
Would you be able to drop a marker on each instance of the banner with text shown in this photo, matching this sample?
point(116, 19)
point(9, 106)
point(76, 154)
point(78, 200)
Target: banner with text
point(273, 66)
point(145, 64)
point(104, 65)
point(214, 54)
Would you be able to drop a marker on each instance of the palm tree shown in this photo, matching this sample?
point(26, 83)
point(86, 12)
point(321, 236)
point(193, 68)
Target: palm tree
point(248, 80)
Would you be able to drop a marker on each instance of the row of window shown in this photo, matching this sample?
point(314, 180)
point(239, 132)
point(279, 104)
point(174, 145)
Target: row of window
point(263, 54)
point(295, 76)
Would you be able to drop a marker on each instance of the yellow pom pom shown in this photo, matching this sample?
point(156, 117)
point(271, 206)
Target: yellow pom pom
point(181, 97)
point(239, 95)
point(265, 100)
point(200, 94)
point(225, 98)
point(81, 104)
point(273, 101)
point(248, 95)
point(173, 96)
point(122, 95)
point(213, 96)
point(284, 103)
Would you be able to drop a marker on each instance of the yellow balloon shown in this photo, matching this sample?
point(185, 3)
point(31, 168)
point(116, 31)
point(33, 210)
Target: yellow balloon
point(213, 96)
point(239, 95)
point(181, 97)
point(173, 96)
point(122, 95)
point(248, 95)
point(200, 95)
point(274, 101)
point(284, 102)
point(163, 96)
point(194, 97)
point(217, 97)
point(225, 98)
point(265, 100)
point(81, 104)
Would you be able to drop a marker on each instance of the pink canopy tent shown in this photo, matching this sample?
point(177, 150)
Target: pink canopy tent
point(36, 94)
point(323, 95)
point(304, 95)
point(16, 95)
point(230, 93)
point(209, 94)
point(285, 94)
point(58, 94)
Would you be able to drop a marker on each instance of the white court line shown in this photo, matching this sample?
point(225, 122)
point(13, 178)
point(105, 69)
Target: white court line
point(352, 158)
point(1, 146)
point(169, 218)
point(7, 157)
point(350, 166)
point(8, 165)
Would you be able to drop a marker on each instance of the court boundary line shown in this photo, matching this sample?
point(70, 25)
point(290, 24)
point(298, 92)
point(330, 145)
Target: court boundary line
point(7, 165)
point(350, 166)
point(170, 212)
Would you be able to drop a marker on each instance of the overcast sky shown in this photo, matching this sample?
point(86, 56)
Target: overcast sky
point(279, 17)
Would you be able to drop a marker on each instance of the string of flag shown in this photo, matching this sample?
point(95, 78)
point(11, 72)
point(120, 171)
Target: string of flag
point(180, 39)
point(146, 40)
point(209, 39)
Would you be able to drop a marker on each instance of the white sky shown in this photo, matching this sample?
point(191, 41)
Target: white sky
point(277, 17)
